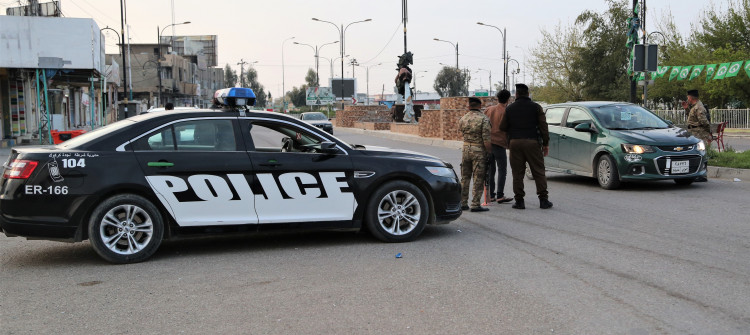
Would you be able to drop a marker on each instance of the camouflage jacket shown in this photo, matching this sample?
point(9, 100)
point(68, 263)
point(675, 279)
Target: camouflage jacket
point(475, 127)
point(697, 117)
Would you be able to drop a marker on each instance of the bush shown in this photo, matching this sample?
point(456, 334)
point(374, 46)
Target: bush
point(729, 158)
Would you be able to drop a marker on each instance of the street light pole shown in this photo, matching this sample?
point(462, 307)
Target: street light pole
point(367, 68)
point(242, 72)
point(342, 33)
point(490, 72)
point(454, 45)
point(414, 79)
point(316, 50)
point(505, 56)
point(283, 76)
point(122, 46)
point(518, 68)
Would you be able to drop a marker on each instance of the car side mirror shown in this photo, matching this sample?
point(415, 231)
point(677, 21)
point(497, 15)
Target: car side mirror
point(670, 123)
point(585, 128)
point(328, 148)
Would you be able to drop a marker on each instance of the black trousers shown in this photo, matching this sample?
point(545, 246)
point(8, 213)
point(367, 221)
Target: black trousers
point(523, 151)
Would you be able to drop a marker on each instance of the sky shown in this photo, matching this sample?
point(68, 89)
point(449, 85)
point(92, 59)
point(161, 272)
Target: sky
point(260, 31)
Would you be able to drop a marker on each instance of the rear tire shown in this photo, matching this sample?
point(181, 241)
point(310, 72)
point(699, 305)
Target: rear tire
point(397, 212)
point(607, 174)
point(126, 228)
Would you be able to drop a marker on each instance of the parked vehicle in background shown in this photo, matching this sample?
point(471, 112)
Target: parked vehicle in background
point(319, 120)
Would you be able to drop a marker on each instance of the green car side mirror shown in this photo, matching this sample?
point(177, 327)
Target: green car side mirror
point(585, 127)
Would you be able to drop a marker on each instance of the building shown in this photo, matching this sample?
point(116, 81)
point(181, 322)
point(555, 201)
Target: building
point(189, 76)
point(52, 77)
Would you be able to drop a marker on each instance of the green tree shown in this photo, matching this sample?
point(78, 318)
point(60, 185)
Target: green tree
point(310, 78)
point(554, 61)
point(230, 77)
point(451, 82)
point(601, 55)
point(298, 96)
point(260, 91)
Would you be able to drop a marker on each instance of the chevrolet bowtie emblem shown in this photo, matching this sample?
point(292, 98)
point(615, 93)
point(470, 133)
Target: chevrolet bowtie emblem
point(678, 148)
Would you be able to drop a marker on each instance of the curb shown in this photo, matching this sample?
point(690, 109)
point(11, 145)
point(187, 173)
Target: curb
point(405, 137)
point(712, 172)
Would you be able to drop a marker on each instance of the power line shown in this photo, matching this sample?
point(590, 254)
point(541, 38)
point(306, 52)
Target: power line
point(386, 45)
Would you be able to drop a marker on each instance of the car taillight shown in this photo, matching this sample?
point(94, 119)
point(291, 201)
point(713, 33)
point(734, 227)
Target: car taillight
point(19, 169)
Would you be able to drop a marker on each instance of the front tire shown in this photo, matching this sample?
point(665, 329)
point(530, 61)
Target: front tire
point(397, 212)
point(606, 173)
point(126, 228)
point(684, 181)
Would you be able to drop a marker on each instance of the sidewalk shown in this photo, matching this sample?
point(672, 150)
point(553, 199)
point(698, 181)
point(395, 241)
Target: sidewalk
point(713, 171)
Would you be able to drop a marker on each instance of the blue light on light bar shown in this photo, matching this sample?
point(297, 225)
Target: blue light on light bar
point(235, 96)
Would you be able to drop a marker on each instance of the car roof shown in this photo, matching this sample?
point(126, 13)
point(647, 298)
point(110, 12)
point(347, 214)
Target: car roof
point(589, 104)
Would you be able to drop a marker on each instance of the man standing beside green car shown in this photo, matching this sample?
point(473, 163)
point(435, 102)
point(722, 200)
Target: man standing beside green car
point(697, 121)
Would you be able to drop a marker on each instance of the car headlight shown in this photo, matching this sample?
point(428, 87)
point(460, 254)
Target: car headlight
point(636, 148)
point(441, 171)
point(701, 146)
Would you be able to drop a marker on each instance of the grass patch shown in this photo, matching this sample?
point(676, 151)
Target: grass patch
point(729, 158)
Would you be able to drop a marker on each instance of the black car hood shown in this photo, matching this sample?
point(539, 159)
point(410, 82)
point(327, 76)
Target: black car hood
point(372, 150)
point(668, 136)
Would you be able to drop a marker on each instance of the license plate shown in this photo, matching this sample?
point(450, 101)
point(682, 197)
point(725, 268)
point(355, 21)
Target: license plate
point(680, 167)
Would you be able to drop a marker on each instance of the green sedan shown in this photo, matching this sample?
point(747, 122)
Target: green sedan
point(617, 141)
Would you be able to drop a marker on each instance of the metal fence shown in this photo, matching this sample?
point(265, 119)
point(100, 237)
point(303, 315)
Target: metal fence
point(735, 118)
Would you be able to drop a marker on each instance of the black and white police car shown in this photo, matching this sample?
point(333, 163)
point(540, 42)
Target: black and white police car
point(130, 185)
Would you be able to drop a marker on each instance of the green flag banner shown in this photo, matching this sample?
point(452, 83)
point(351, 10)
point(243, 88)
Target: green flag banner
point(675, 72)
point(661, 71)
point(642, 76)
point(734, 69)
point(684, 72)
point(696, 71)
point(710, 70)
point(722, 71)
point(747, 67)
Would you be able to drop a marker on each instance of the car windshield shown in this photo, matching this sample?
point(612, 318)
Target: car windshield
point(628, 117)
point(314, 116)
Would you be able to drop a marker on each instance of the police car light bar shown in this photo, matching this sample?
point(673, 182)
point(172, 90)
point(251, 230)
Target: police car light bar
point(235, 96)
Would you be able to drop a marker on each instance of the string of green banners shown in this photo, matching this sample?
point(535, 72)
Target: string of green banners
point(690, 72)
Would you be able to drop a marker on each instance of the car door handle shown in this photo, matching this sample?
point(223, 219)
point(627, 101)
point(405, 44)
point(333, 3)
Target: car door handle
point(563, 137)
point(160, 164)
point(270, 164)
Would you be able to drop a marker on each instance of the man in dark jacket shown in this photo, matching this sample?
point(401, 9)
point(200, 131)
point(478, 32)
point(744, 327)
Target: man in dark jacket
point(525, 123)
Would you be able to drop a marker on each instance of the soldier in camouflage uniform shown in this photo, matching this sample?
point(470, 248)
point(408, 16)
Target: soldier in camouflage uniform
point(697, 121)
point(475, 127)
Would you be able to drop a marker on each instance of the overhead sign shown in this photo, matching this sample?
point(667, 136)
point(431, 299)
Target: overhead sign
point(481, 94)
point(317, 96)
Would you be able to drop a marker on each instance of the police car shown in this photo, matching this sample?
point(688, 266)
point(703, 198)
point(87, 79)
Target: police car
point(128, 186)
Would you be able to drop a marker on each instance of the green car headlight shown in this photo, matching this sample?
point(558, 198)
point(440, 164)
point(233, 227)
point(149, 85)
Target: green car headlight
point(636, 148)
point(701, 146)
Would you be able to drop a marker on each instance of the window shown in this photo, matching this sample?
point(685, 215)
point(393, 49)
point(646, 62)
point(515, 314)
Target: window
point(555, 115)
point(197, 135)
point(577, 116)
point(279, 137)
point(160, 140)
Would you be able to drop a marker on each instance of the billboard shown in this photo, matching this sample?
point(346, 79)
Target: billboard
point(349, 87)
point(317, 96)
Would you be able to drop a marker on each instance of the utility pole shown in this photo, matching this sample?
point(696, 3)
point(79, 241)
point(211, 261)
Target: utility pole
point(122, 37)
point(632, 78)
point(242, 72)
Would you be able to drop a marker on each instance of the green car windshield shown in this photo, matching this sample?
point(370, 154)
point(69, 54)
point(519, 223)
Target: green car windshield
point(627, 117)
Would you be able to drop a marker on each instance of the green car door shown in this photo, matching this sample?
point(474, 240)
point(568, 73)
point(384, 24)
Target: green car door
point(554, 117)
point(576, 148)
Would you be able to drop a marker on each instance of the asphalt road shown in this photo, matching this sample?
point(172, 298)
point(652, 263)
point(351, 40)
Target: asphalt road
point(651, 258)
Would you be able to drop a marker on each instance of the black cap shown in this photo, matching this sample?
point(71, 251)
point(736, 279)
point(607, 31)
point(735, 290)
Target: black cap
point(475, 101)
point(693, 93)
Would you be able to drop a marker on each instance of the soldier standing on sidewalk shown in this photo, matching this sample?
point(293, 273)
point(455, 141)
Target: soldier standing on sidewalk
point(697, 120)
point(475, 127)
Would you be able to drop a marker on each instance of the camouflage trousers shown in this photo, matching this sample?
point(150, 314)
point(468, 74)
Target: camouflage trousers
point(473, 163)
